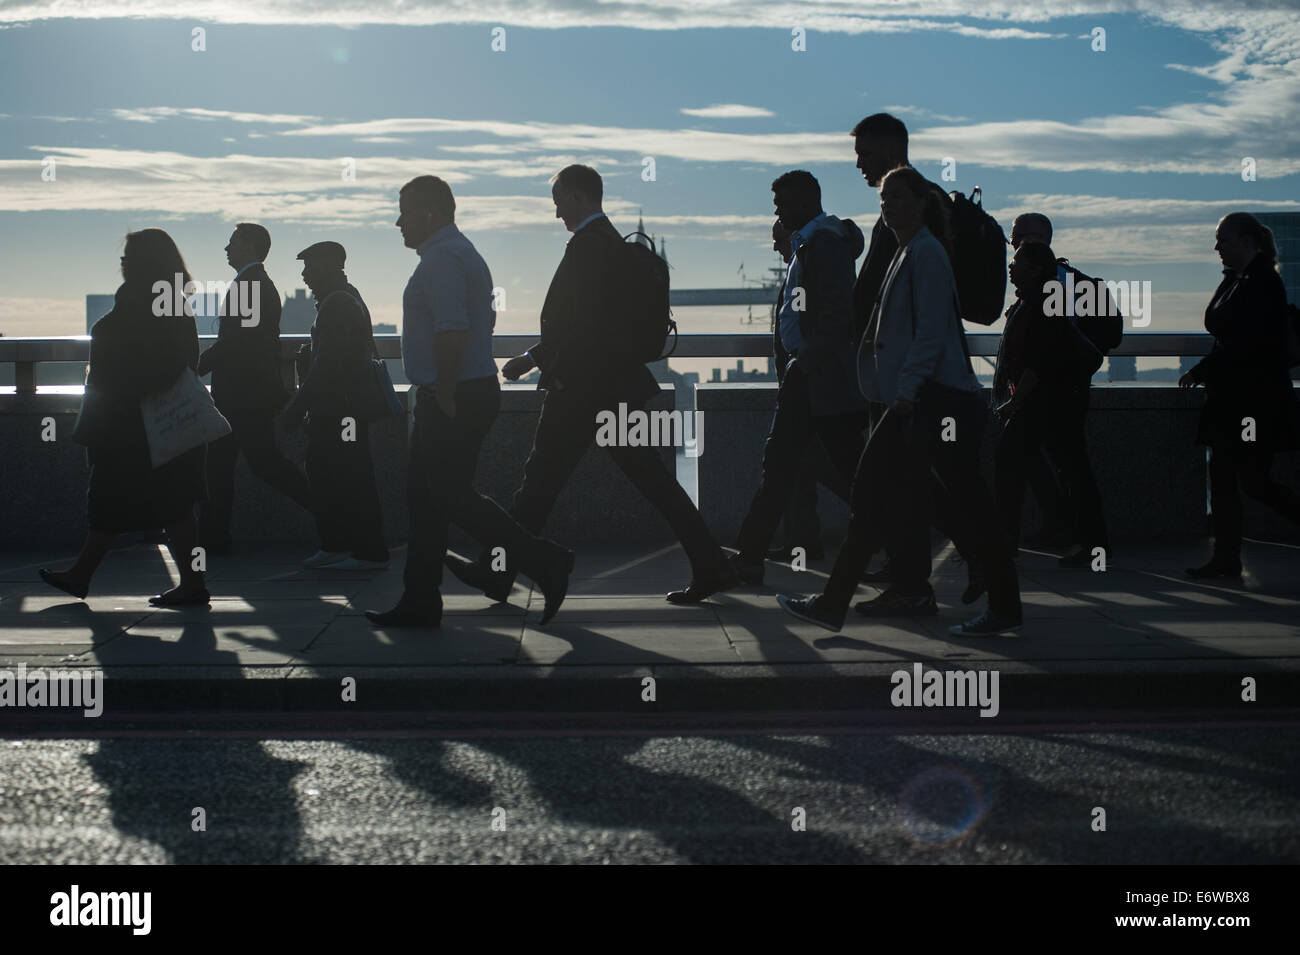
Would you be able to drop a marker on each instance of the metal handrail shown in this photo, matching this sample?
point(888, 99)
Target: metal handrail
point(27, 353)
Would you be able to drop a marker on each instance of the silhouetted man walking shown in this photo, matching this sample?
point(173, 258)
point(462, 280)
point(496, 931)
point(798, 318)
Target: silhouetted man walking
point(447, 322)
point(819, 396)
point(584, 372)
point(339, 466)
point(247, 387)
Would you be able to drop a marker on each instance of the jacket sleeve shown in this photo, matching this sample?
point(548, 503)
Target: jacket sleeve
point(933, 313)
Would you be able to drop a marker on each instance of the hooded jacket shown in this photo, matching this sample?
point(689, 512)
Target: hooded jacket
point(826, 324)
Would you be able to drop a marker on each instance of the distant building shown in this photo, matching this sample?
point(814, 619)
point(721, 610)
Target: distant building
point(1286, 233)
point(298, 313)
point(1122, 367)
point(97, 306)
point(384, 328)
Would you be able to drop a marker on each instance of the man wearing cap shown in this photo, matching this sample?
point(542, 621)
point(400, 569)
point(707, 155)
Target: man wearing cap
point(447, 323)
point(339, 467)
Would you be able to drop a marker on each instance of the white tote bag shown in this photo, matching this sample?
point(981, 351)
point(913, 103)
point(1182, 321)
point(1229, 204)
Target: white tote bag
point(181, 418)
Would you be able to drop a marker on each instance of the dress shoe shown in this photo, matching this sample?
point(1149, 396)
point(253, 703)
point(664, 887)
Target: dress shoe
point(61, 582)
point(705, 586)
point(473, 574)
point(554, 582)
point(180, 597)
point(407, 615)
point(1222, 567)
point(323, 558)
point(809, 612)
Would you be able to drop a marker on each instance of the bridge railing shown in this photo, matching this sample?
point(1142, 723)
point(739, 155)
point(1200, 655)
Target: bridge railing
point(27, 354)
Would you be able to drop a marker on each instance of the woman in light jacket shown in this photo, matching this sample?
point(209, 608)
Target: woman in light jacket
point(913, 359)
point(135, 352)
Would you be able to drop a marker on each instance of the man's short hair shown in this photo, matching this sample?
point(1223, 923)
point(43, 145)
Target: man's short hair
point(329, 254)
point(581, 179)
point(258, 239)
point(430, 192)
point(881, 126)
point(798, 183)
point(1032, 222)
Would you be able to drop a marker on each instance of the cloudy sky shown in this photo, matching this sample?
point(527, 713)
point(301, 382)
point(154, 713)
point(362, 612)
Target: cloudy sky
point(1134, 152)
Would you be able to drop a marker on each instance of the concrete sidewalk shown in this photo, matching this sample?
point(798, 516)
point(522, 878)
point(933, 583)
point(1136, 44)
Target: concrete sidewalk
point(1138, 637)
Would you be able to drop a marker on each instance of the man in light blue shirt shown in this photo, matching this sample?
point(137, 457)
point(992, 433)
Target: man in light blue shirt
point(447, 321)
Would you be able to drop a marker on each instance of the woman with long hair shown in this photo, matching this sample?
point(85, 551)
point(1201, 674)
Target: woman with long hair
point(1250, 410)
point(138, 349)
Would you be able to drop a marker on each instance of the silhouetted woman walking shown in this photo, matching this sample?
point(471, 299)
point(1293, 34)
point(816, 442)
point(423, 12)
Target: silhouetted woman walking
point(134, 353)
point(1250, 410)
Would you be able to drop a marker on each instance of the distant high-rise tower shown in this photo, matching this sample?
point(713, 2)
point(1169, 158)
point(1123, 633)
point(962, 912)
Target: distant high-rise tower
point(1286, 233)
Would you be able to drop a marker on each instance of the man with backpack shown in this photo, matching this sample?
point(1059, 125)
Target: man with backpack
point(880, 143)
point(1092, 336)
point(819, 396)
point(589, 366)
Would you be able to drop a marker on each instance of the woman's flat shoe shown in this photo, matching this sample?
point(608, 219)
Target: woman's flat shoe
point(60, 582)
point(180, 598)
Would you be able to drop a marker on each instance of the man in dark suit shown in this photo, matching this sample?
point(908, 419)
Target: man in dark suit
point(247, 387)
point(339, 466)
point(819, 396)
point(583, 372)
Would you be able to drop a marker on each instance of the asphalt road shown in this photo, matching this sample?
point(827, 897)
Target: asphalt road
point(1219, 794)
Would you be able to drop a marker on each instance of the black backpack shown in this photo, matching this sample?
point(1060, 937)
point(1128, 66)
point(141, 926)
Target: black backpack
point(979, 259)
point(1104, 330)
point(641, 290)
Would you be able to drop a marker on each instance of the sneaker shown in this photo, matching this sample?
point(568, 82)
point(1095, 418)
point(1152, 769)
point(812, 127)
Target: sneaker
point(808, 611)
point(323, 558)
point(354, 563)
point(987, 624)
point(894, 604)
